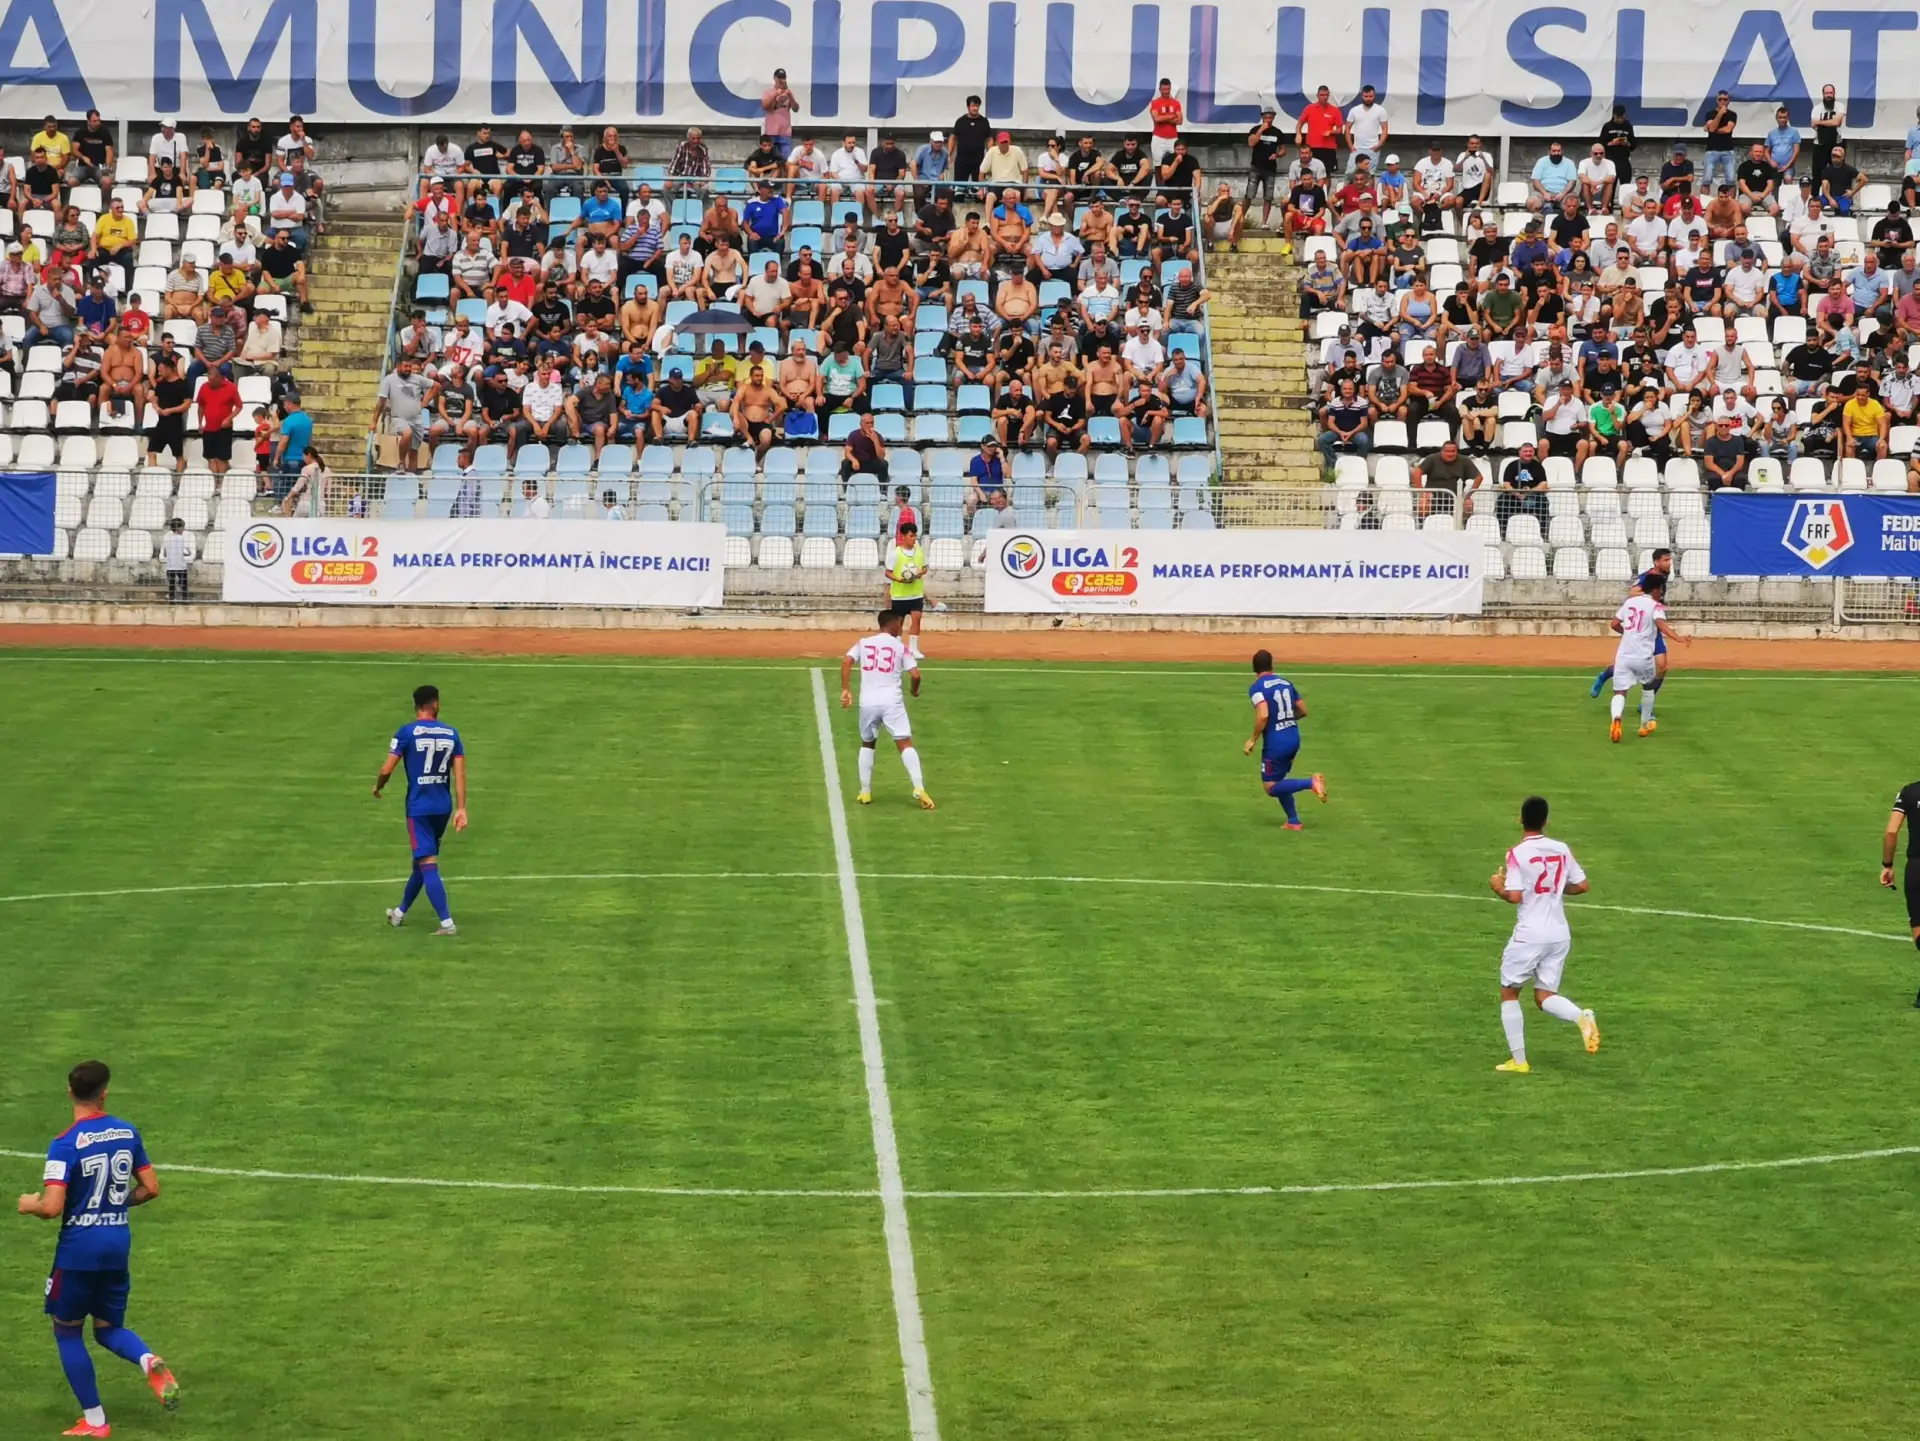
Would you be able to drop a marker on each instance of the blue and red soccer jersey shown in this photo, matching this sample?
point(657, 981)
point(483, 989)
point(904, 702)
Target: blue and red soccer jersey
point(426, 749)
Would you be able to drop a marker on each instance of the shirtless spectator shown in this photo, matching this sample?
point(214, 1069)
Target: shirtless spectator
point(123, 376)
point(799, 378)
point(1107, 388)
point(970, 249)
point(757, 410)
point(890, 298)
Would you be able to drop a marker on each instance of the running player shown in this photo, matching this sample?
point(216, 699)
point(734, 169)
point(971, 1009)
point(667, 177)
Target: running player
point(1640, 621)
point(1277, 712)
point(1662, 566)
point(883, 658)
point(436, 765)
point(1906, 811)
point(97, 1171)
point(1539, 874)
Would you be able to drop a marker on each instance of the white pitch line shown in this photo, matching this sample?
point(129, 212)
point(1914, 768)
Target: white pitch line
point(1156, 1193)
point(917, 1372)
point(1141, 881)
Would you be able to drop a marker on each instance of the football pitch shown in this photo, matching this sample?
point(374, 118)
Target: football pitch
point(1159, 1073)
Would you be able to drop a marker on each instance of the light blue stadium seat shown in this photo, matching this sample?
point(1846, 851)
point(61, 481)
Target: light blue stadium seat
point(926, 342)
point(889, 396)
point(972, 429)
point(927, 430)
point(944, 464)
point(946, 522)
point(930, 399)
point(779, 489)
point(1186, 343)
point(658, 514)
point(1130, 273)
point(1052, 292)
point(929, 370)
point(821, 490)
point(1028, 493)
point(396, 508)
point(679, 310)
point(820, 462)
point(821, 520)
point(446, 457)
point(782, 463)
point(1189, 430)
point(403, 487)
point(1196, 474)
point(652, 492)
point(1196, 520)
point(577, 460)
point(930, 317)
point(1110, 470)
point(716, 426)
point(697, 463)
point(432, 287)
point(674, 232)
point(973, 398)
point(1034, 517)
point(520, 511)
point(640, 280)
point(1170, 271)
point(1156, 519)
point(804, 236)
point(1070, 471)
point(812, 338)
point(1151, 470)
point(564, 209)
point(474, 310)
point(904, 467)
point(977, 289)
point(654, 175)
point(945, 493)
point(738, 462)
point(490, 460)
point(811, 215)
point(680, 365)
point(656, 461)
point(1103, 430)
point(845, 209)
point(616, 461)
point(738, 489)
point(841, 424)
point(1155, 496)
point(687, 210)
point(1029, 465)
point(571, 496)
point(863, 520)
point(533, 461)
point(777, 520)
point(863, 492)
point(738, 519)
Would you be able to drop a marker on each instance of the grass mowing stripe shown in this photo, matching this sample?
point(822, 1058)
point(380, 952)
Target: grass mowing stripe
point(916, 1370)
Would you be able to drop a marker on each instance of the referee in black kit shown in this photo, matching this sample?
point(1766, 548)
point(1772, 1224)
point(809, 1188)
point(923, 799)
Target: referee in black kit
point(1906, 811)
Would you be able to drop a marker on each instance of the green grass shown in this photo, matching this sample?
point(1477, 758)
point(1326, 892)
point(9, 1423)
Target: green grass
point(1040, 1035)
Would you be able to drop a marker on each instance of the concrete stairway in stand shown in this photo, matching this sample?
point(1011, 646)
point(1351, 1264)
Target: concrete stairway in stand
point(1259, 366)
point(342, 344)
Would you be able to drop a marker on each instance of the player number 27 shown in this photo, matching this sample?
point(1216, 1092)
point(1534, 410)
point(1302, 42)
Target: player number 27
point(117, 1168)
point(1552, 868)
point(437, 752)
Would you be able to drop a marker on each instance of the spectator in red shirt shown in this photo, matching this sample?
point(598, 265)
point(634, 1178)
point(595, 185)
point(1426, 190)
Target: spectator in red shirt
point(1167, 116)
point(1319, 129)
point(219, 401)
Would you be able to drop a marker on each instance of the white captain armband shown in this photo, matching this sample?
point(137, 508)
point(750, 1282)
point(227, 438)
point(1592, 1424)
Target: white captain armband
point(56, 1173)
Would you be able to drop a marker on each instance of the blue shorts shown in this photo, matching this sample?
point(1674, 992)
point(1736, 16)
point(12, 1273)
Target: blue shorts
point(423, 834)
point(1659, 643)
point(72, 1296)
point(1274, 765)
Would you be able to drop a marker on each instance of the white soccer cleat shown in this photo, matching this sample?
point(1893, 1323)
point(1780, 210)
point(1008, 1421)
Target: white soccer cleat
point(396, 916)
point(446, 928)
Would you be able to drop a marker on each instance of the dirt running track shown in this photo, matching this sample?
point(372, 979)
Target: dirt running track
point(1062, 645)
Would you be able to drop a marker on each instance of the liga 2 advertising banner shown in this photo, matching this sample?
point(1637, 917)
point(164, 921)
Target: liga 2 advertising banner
point(476, 562)
point(1235, 572)
point(1860, 535)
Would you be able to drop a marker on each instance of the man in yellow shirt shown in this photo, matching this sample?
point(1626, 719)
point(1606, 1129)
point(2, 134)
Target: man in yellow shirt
point(115, 236)
point(229, 283)
point(1864, 426)
point(54, 141)
point(907, 581)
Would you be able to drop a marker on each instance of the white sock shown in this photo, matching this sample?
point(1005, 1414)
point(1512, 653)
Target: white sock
point(96, 1415)
point(146, 1364)
point(911, 758)
point(1515, 1026)
point(1646, 706)
point(866, 769)
point(1560, 1008)
point(1619, 704)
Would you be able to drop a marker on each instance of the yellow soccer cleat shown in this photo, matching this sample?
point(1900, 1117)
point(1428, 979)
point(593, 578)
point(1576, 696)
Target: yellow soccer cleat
point(1320, 788)
point(865, 798)
point(1613, 732)
point(1590, 1031)
point(926, 801)
point(1648, 729)
point(1517, 1068)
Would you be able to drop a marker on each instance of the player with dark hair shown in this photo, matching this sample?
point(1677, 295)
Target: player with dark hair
point(883, 658)
point(1641, 624)
point(1539, 873)
point(1906, 811)
point(436, 765)
point(1662, 566)
point(1277, 713)
point(97, 1170)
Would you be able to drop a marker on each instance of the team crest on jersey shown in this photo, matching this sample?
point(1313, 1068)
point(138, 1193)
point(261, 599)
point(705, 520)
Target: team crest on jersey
point(261, 545)
point(1023, 557)
point(1818, 531)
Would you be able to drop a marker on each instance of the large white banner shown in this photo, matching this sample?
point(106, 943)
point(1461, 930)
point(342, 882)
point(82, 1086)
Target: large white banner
point(476, 562)
point(1236, 572)
point(1489, 65)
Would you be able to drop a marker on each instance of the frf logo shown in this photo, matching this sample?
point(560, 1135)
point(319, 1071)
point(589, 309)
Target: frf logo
point(1818, 531)
point(1022, 557)
point(261, 545)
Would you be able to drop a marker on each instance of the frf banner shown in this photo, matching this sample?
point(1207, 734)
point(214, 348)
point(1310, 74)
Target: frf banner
point(1236, 572)
point(1875, 535)
point(476, 562)
point(1488, 65)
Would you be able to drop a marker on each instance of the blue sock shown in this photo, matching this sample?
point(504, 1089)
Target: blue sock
point(436, 891)
point(77, 1362)
point(1604, 676)
point(122, 1342)
point(1658, 681)
point(412, 892)
point(1285, 791)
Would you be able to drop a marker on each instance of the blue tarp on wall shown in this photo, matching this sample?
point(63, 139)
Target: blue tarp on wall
point(1822, 534)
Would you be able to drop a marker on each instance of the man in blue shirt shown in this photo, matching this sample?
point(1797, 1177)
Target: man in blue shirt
point(1277, 712)
point(1553, 176)
point(97, 1171)
point(1783, 143)
point(436, 764)
point(765, 216)
point(986, 475)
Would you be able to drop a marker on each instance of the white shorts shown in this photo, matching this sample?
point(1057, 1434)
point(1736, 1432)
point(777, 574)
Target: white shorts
point(891, 714)
point(1629, 674)
point(1540, 963)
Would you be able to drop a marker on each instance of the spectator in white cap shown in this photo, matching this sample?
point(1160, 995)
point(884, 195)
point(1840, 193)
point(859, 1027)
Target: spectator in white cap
point(168, 144)
point(287, 210)
point(931, 162)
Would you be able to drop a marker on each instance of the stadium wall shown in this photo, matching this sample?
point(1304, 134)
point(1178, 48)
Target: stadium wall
point(1491, 65)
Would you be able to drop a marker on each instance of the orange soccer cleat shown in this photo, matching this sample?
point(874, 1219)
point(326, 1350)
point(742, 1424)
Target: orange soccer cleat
point(84, 1427)
point(1613, 732)
point(165, 1389)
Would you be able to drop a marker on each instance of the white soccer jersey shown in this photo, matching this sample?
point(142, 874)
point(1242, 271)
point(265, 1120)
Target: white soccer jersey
point(1541, 869)
point(1637, 615)
point(883, 659)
